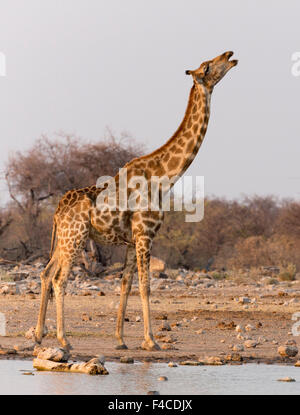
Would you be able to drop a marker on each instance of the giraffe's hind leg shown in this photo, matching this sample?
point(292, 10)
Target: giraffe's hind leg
point(46, 283)
point(129, 269)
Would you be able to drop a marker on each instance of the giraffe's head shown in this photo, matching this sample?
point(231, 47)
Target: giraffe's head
point(211, 72)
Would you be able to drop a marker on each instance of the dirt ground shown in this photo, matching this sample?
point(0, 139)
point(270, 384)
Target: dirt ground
point(196, 320)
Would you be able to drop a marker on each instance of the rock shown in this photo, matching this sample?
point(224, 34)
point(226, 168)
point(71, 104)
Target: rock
point(165, 326)
point(162, 317)
point(101, 293)
point(162, 378)
point(287, 351)
point(226, 326)
point(153, 393)
point(244, 300)
point(190, 363)
point(250, 344)
point(200, 331)
point(168, 346)
point(239, 329)
point(249, 327)
point(86, 317)
point(28, 373)
point(138, 319)
point(290, 342)
point(157, 264)
point(287, 379)
point(169, 339)
point(297, 364)
point(9, 288)
point(30, 333)
point(172, 364)
point(126, 359)
point(234, 357)
point(53, 354)
point(238, 348)
point(24, 347)
point(212, 361)
point(92, 367)
point(7, 350)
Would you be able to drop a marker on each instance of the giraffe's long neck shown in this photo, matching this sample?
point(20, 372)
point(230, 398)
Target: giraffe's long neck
point(174, 158)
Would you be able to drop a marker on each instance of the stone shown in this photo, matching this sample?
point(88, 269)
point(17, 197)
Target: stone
point(234, 357)
point(212, 361)
point(162, 316)
point(249, 327)
point(226, 326)
point(30, 333)
point(169, 339)
point(153, 393)
point(157, 265)
point(238, 348)
point(244, 300)
point(126, 359)
point(287, 379)
point(162, 378)
point(239, 329)
point(86, 317)
point(53, 354)
point(190, 363)
point(101, 293)
point(92, 367)
point(168, 346)
point(291, 342)
point(297, 364)
point(138, 319)
point(250, 343)
point(287, 351)
point(165, 326)
point(173, 364)
point(7, 350)
point(24, 347)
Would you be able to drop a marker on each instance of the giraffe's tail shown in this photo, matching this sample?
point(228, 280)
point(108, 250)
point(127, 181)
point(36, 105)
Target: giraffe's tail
point(52, 248)
point(53, 239)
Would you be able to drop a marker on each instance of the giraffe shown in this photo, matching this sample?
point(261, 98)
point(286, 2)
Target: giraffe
point(78, 217)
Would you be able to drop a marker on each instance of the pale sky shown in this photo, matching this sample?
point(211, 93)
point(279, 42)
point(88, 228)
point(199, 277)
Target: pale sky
point(79, 66)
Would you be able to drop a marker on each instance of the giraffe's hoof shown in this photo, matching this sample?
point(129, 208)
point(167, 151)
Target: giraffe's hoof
point(151, 346)
point(121, 347)
point(66, 346)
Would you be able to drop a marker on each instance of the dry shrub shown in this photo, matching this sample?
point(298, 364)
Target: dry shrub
point(257, 251)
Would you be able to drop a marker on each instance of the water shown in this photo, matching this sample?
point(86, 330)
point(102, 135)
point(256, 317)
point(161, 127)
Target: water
point(139, 378)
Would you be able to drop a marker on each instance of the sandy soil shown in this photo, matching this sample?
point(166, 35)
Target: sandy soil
point(196, 316)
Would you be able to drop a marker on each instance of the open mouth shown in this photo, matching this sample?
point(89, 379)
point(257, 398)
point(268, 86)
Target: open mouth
point(234, 61)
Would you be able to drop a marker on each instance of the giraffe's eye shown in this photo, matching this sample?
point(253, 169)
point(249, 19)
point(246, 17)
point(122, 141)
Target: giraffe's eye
point(206, 70)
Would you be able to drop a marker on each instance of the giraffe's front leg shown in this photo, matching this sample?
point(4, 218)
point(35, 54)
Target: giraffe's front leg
point(129, 268)
point(143, 247)
point(59, 285)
